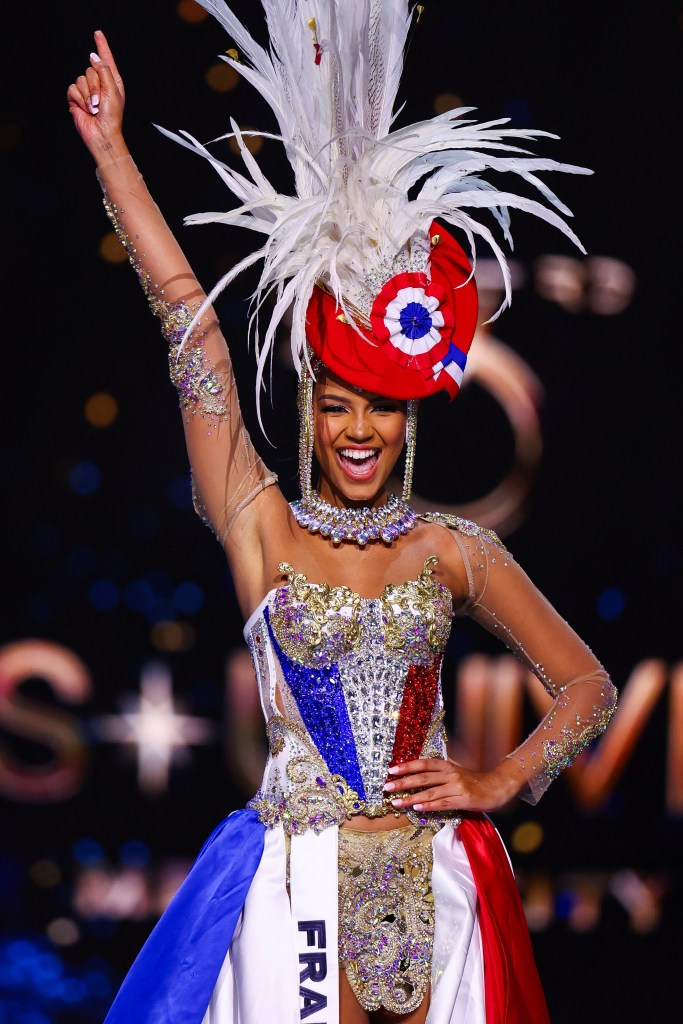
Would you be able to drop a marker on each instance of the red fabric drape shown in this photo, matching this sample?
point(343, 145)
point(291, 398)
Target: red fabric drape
point(512, 986)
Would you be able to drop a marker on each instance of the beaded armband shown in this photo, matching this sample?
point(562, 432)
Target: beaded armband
point(562, 750)
point(201, 387)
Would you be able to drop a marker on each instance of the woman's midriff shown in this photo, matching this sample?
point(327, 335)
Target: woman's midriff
point(361, 823)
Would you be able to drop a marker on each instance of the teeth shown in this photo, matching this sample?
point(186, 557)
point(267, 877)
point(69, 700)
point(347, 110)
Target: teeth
point(359, 456)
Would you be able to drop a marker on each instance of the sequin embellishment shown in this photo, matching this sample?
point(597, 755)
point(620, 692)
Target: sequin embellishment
point(314, 623)
point(317, 624)
point(561, 751)
point(311, 797)
point(386, 916)
point(201, 386)
point(466, 527)
point(352, 696)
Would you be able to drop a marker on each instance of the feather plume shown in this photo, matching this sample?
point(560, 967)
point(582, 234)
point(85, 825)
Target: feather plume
point(331, 75)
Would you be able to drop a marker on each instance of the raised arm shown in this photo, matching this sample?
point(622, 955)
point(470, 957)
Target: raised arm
point(227, 473)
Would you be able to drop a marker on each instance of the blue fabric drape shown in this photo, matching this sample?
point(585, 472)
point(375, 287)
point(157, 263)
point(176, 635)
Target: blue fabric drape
point(175, 973)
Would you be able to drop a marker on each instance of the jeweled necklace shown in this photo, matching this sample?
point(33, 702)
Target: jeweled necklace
point(361, 525)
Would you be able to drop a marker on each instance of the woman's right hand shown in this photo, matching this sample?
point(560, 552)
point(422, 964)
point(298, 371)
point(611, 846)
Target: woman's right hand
point(96, 101)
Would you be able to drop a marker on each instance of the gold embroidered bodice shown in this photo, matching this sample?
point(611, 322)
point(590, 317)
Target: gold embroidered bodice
point(317, 624)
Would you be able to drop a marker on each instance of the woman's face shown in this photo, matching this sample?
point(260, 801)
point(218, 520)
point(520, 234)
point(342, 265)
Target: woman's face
point(358, 439)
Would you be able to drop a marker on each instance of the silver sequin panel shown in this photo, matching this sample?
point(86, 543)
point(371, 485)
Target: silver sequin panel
point(373, 680)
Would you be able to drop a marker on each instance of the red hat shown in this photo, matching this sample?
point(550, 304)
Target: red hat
point(421, 328)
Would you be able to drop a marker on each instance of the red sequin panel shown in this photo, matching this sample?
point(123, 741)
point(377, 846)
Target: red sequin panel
point(416, 711)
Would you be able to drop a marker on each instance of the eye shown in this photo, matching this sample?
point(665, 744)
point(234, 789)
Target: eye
point(385, 407)
point(332, 408)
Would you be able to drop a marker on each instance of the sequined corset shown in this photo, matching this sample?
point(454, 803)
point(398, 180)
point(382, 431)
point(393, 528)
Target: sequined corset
point(357, 681)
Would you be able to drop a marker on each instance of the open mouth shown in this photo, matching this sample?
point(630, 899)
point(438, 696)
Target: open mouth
point(358, 463)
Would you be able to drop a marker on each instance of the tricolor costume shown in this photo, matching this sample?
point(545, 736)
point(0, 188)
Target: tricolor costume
point(283, 896)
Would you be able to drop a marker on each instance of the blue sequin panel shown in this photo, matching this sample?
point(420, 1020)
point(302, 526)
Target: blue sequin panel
point(320, 698)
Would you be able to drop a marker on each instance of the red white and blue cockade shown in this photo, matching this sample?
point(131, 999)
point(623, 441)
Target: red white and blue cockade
point(413, 322)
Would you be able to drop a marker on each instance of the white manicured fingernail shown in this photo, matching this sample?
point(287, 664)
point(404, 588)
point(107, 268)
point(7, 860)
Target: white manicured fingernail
point(92, 109)
point(395, 803)
point(396, 768)
point(418, 807)
point(96, 58)
point(95, 100)
point(388, 786)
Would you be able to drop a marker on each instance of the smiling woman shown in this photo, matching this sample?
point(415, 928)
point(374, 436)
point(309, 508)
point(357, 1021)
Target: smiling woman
point(364, 879)
point(361, 434)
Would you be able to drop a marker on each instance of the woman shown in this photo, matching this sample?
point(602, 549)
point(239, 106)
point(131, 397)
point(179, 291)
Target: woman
point(364, 882)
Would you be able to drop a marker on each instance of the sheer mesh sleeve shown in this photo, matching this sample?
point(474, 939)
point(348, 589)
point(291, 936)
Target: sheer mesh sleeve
point(226, 471)
point(504, 600)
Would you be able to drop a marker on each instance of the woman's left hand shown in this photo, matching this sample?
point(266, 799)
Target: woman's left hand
point(447, 786)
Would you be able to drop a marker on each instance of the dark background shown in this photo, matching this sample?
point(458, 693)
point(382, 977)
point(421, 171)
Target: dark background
point(101, 545)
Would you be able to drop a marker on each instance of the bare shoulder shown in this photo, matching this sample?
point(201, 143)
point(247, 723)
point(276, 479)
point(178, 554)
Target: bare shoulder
point(454, 541)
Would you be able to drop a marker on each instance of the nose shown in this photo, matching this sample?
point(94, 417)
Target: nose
point(359, 429)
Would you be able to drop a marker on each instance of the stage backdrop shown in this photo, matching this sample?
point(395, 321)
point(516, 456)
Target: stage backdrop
point(128, 718)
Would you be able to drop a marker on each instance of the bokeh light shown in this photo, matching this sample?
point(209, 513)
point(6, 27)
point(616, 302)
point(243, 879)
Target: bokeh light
point(88, 852)
point(221, 77)
point(134, 853)
point(110, 249)
point(538, 903)
point(63, 931)
point(191, 12)
point(104, 595)
point(84, 478)
point(173, 636)
point(45, 873)
point(39, 988)
point(139, 596)
point(447, 101)
point(527, 837)
point(101, 410)
point(611, 604)
point(252, 142)
point(188, 597)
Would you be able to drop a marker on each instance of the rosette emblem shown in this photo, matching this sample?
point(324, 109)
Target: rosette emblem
point(412, 322)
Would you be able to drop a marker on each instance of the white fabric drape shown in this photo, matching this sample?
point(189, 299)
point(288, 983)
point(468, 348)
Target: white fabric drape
point(260, 977)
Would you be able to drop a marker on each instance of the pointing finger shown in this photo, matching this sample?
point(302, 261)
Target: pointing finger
point(107, 81)
point(105, 55)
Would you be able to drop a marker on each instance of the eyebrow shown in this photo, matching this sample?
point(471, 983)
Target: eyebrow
point(347, 398)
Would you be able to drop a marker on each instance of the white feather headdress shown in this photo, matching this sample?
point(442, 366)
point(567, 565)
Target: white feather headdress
point(365, 195)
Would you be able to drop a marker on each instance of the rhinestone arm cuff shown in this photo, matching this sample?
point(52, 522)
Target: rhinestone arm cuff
point(201, 386)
